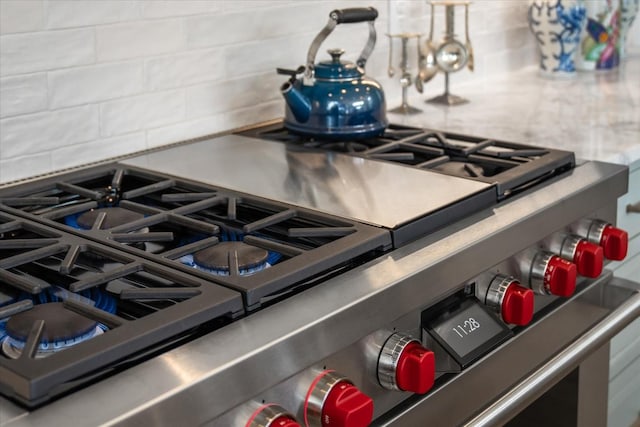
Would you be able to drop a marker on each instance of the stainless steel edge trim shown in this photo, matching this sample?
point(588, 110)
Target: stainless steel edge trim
point(534, 385)
point(389, 357)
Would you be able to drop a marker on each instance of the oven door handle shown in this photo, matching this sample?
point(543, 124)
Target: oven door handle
point(537, 383)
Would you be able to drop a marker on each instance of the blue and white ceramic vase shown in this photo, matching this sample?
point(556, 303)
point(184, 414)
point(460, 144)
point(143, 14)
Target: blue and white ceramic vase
point(600, 44)
point(628, 11)
point(557, 25)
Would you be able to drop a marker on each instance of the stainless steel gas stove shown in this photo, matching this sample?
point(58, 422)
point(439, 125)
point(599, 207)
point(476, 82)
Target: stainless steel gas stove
point(259, 279)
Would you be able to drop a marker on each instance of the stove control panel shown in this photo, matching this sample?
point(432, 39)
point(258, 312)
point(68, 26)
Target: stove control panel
point(413, 353)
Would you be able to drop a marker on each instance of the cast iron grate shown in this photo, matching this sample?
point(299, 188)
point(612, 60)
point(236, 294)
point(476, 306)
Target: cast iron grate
point(176, 219)
point(140, 305)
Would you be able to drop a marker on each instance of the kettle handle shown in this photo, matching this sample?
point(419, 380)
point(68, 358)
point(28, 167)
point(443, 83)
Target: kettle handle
point(344, 16)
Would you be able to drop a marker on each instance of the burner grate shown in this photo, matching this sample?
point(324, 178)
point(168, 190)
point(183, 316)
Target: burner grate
point(138, 305)
point(170, 219)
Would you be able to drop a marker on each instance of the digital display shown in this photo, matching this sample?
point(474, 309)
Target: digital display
point(468, 331)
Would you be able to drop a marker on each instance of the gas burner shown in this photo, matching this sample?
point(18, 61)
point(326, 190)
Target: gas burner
point(216, 259)
point(461, 169)
point(115, 216)
point(62, 329)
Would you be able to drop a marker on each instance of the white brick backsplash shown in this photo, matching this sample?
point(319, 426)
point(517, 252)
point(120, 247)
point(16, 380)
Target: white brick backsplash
point(498, 62)
point(23, 94)
point(186, 130)
point(162, 9)
point(214, 123)
point(203, 100)
point(266, 56)
point(512, 16)
point(80, 13)
point(255, 114)
point(17, 16)
point(95, 83)
point(250, 5)
point(185, 69)
point(142, 112)
point(35, 133)
point(138, 39)
point(25, 167)
point(100, 149)
point(81, 79)
point(24, 53)
point(488, 43)
point(216, 30)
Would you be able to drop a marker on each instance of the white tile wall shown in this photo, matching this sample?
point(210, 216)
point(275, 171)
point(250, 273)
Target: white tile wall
point(83, 80)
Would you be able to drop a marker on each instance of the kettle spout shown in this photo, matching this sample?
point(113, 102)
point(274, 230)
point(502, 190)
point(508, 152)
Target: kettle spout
point(298, 103)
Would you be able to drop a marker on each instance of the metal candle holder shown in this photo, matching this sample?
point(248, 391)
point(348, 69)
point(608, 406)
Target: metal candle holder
point(405, 75)
point(451, 55)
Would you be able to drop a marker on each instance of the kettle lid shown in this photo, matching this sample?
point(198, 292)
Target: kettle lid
point(335, 69)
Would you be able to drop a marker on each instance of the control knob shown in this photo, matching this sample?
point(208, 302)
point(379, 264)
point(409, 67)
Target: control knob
point(512, 301)
point(404, 364)
point(614, 241)
point(333, 401)
point(552, 275)
point(271, 415)
point(588, 257)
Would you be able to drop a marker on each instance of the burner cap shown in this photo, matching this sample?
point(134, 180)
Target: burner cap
point(217, 257)
point(115, 216)
point(60, 324)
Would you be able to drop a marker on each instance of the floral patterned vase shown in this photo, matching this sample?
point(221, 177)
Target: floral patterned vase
point(600, 44)
point(628, 11)
point(557, 25)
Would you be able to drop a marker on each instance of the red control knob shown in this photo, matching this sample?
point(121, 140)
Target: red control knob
point(588, 259)
point(560, 277)
point(346, 406)
point(517, 305)
point(614, 242)
point(284, 421)
point(270, 415)
point(416, 369)
point(404, 364)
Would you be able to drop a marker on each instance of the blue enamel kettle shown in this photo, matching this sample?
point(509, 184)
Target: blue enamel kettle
point(334, 99)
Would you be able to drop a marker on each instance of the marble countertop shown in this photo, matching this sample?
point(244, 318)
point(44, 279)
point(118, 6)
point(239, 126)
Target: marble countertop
point(594, 114)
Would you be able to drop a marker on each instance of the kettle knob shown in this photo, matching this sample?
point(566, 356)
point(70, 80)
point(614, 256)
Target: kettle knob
point(336, 54)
